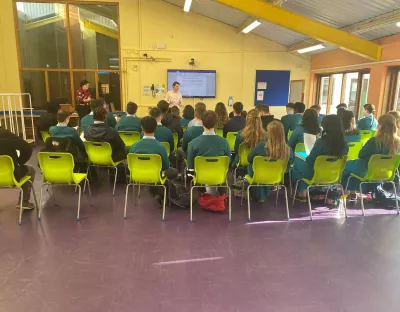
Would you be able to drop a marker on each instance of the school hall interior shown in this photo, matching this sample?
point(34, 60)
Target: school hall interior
point(199, 155)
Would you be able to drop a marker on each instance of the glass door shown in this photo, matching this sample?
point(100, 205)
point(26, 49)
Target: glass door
point(323, 96)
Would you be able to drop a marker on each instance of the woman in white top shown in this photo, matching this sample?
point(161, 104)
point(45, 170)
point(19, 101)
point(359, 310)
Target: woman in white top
point(174, 97)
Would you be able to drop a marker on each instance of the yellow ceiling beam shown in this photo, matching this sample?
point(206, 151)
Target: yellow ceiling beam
point(100, 28)
point(308, 27)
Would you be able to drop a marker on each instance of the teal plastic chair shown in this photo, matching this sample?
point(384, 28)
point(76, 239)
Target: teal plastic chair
point(99, 155)
point(366, 135)
point(210, 172)
point(327, 172)
point(176, 139)
point(381, 168)
point(219, 132)
point(267, 172)
point(58, 168)
point(129, 137)
point(167, 147)
point(45, 135)
point(231, 138)
point(7, 180)
point(354, 150)
point(145, 169)
point(243, 152)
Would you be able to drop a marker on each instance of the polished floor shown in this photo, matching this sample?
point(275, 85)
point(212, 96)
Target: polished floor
point(106, 263)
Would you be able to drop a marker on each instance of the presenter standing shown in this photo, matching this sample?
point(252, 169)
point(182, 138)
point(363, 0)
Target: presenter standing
point(174, 97)
point(83, 99)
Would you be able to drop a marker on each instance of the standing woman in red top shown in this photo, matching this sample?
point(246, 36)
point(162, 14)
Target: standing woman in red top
point(83, 99)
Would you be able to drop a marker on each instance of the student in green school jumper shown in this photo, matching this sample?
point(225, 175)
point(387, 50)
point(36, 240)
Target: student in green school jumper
point(276, 148)
point(62, 131)
point(208, 144)
point(88, 120)
point(187, 116)
point(309, 125)
point(368, 122)
point(162, 134)
point(288, 118)
point(299, 109)
point(149, 145)
point(385, 142)
point(332, 143)
point(251, 135)
point(129, 122)
point(320, 116)
point(351, 133)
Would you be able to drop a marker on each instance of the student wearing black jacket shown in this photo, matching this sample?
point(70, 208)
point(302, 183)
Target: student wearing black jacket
point(169, 120)
point(265, 115)
point(9, 144)
point(100, 131)
point(49, 119)
point(237, 122)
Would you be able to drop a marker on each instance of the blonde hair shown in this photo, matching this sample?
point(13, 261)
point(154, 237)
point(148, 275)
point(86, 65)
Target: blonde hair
point(253, 133)
point(276, 146)
point(386, 135)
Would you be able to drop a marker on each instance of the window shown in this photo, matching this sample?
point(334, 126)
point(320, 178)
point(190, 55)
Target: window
point(65, 42)
point(349, 88)
point(397, 98)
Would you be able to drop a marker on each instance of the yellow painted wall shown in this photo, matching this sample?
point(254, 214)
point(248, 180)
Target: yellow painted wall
point(214, 45)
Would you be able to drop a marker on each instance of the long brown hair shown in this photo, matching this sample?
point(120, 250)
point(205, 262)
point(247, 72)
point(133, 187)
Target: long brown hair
point(253, 133)
point(387, 134)
point(222, 115)
point(276, 145)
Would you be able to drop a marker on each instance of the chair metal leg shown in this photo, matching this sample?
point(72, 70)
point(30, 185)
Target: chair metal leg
point(230, 203)
point(347, 184)
point(79, 203)
point(290, 181)
point(395, 194)
point(134, 197)
point(309, 201)
point(326, 195)
point(40, 201)
point(234, 175)
point(248, 203)
point(344, 200)
point(241, 201)
point(90, 192)
point(126, 197)
point(126, 173)
point(295, 192)
point(164, 201)
point(138, 193)
point(287, 202)
point(34, 194)
point(20, 206)
point(115, 179)
point(191, 204)
point(362, 201)
point(277, 195)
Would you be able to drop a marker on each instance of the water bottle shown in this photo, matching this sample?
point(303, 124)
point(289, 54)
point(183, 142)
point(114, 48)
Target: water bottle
point(230, 101)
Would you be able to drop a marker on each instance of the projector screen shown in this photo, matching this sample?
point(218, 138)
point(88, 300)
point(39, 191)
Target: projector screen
point(194, 83)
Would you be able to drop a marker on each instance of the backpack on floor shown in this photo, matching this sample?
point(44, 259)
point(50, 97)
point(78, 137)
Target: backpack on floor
point(213, 203)
point(238, 186)
point(179, 195)
point(384, 198)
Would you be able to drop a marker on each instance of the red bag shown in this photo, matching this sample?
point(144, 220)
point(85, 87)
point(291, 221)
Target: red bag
point(213, 203)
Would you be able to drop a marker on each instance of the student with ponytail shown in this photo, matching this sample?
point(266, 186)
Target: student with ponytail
point(368, 122)
point(385, 142)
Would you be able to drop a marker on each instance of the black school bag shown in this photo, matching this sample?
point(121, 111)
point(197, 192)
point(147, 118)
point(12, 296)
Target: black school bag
point(67, 145)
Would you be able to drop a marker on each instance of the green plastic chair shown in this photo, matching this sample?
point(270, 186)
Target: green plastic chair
point(176, 139)
point(231, 138)
point(145, 169)
point(167, 147)
point(289, 134)
point(327, 172)
point(243, 152)
point(184, 128)
point(7, 180)
point(354, 150)
point(366, 135)
point(267, 172)
point(219, 132)
point(300, 147)
point(99, 155)
point(129, 137)
point(381, 168)
point(58, 168)
point(45, 135)
point(210, 171)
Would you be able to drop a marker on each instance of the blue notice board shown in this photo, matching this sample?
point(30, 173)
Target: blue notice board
point(277, 87)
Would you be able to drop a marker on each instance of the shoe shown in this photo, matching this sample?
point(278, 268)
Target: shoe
point(26, 205)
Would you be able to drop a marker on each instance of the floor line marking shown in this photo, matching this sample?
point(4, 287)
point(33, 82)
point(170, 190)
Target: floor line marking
point(187, 261)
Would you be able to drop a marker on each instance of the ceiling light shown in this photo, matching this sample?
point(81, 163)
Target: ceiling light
point(251, 27)
point(313, 48)
point(188, 3)
point(398, 24)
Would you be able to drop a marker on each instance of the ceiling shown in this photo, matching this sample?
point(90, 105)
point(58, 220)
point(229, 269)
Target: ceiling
point(335, 13)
